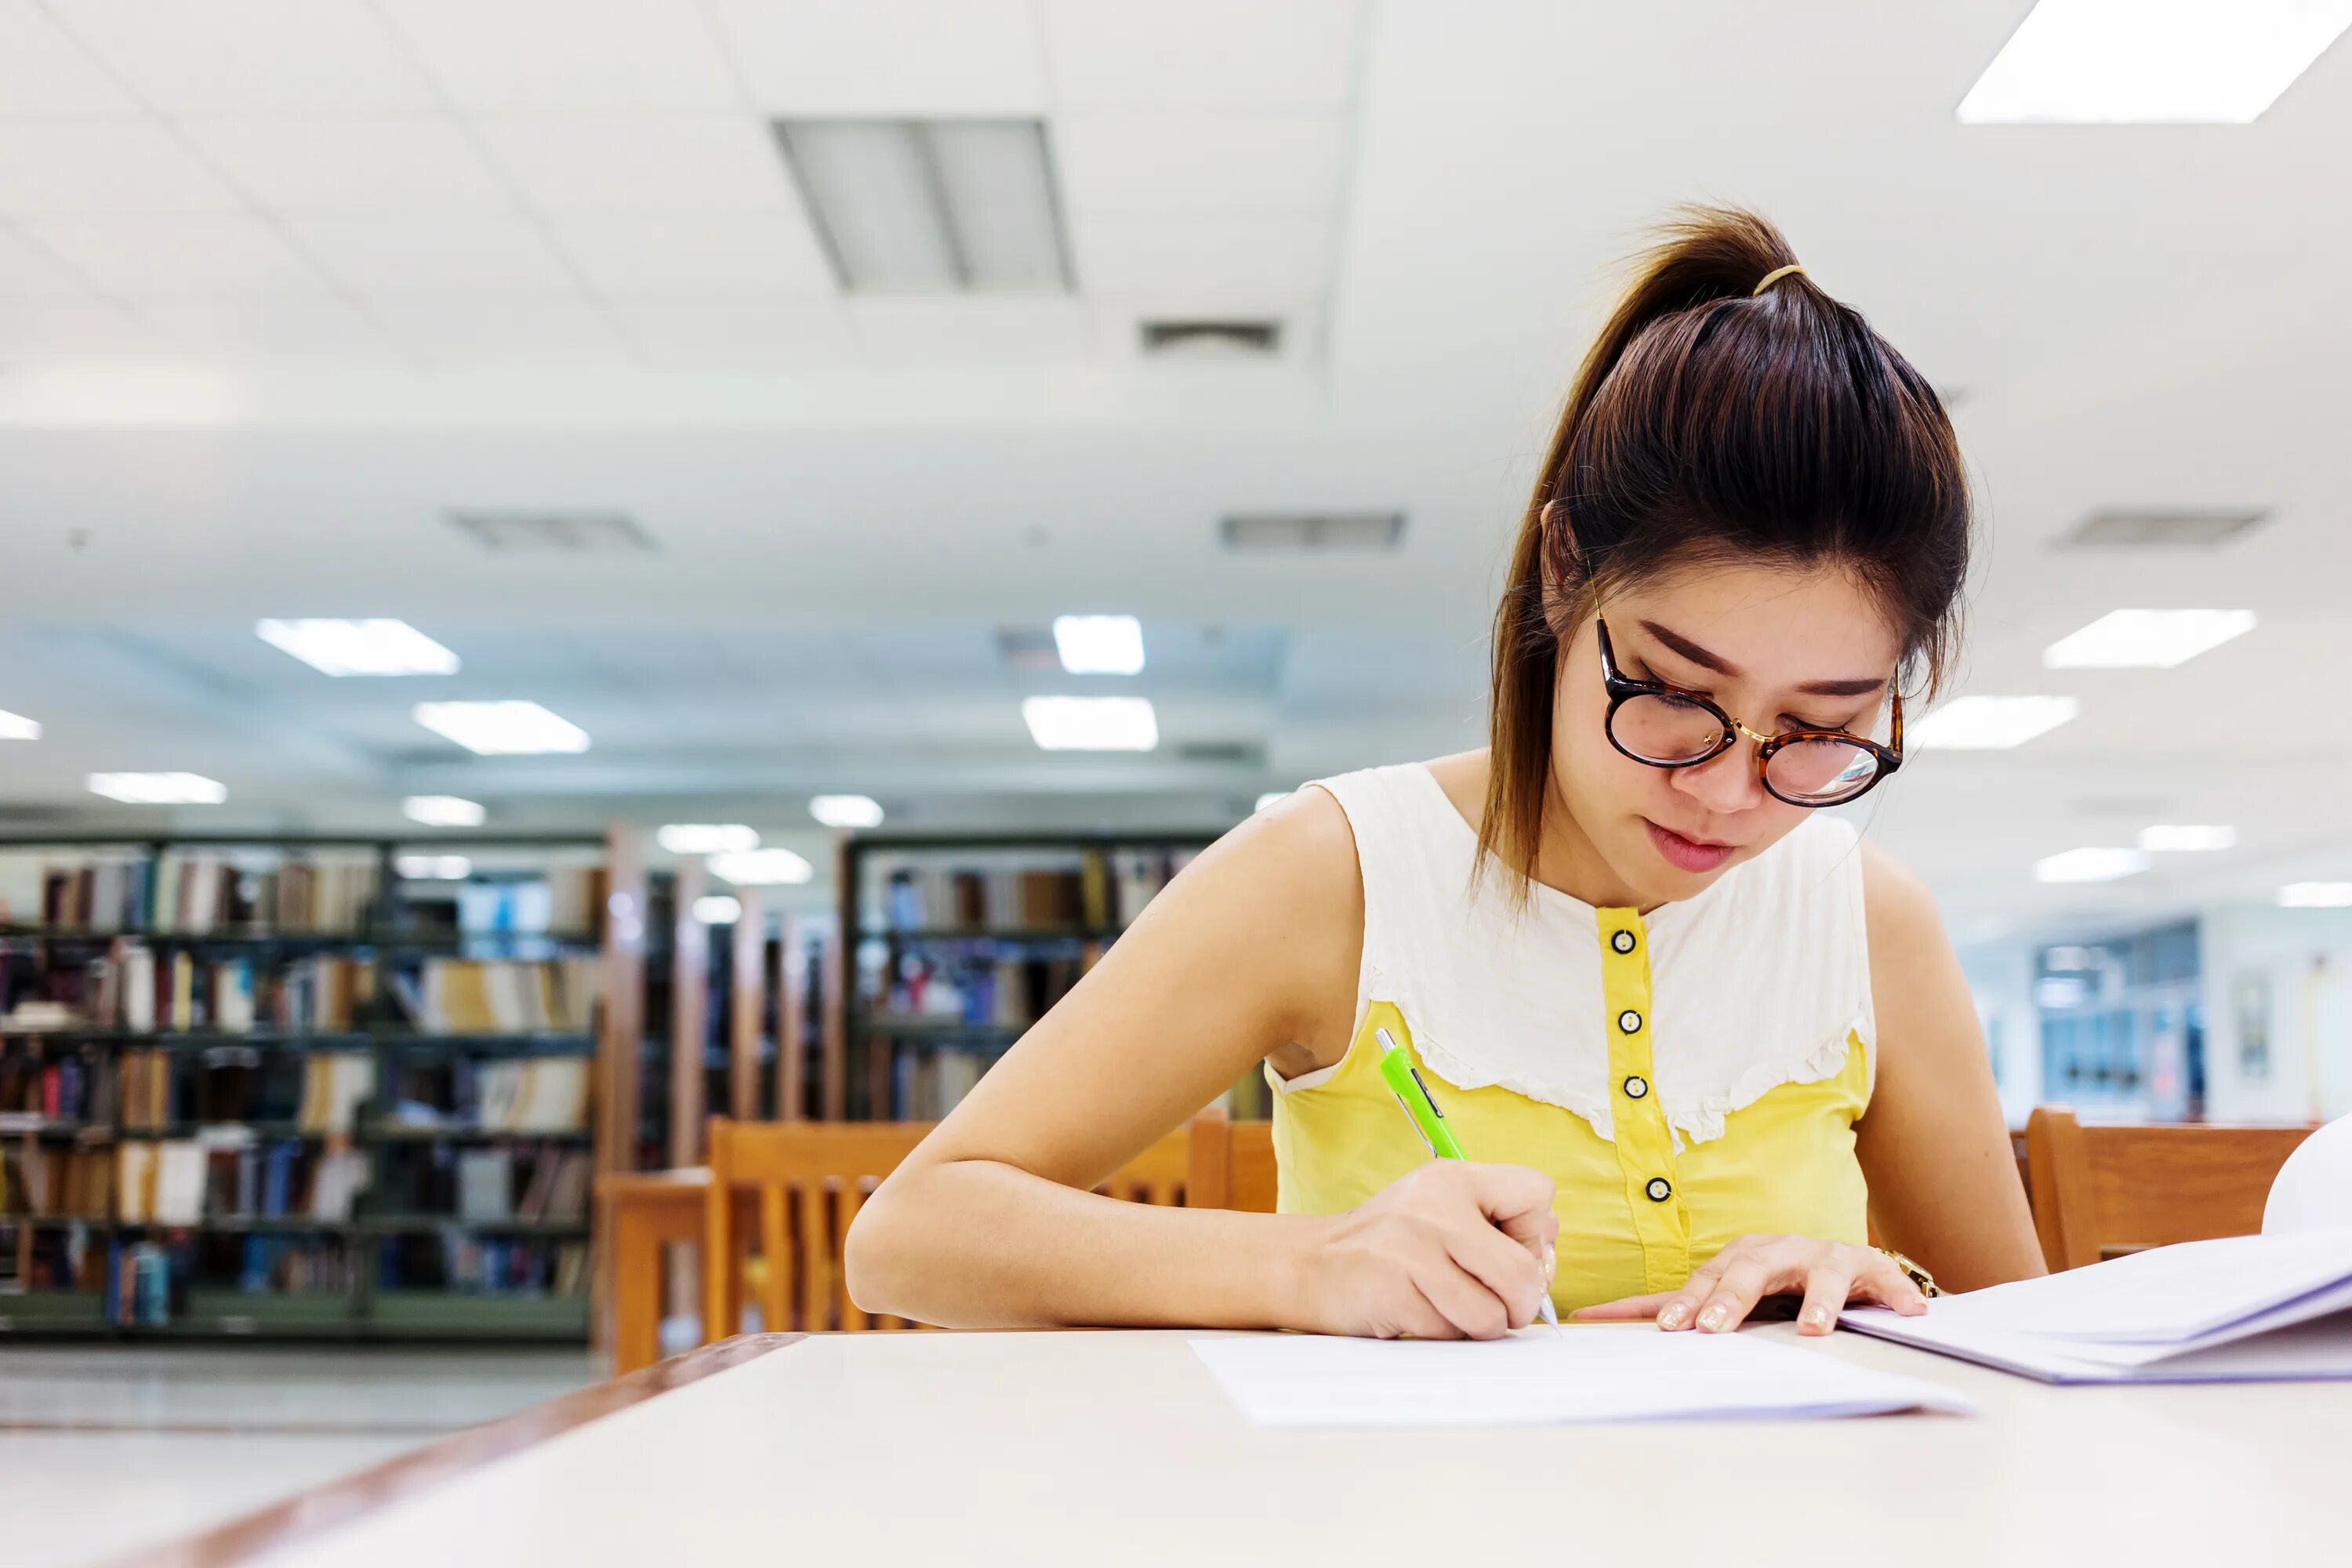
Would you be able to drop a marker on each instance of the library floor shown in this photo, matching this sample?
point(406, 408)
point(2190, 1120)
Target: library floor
point(110, 1448)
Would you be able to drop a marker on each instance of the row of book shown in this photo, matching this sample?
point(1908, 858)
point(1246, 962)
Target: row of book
point(468, 997)
point(925, 1085)
point(198, 893)
point(476, 1265)
point(1001, 992)
point(555, 1185)
point(189, 1181)
point(57, 1184)
point(318, 1091)
point(1098, 889)
point(136, 989)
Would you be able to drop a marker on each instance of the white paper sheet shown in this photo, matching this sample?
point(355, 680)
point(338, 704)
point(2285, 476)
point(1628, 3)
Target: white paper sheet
point(2167, 1294)
point(1592, 1372)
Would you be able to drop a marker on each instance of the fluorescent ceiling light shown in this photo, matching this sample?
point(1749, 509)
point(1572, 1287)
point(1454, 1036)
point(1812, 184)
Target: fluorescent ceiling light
point(159, 789)
point(706, 837)
point(2147, 640)
point(717, 910)
point(1989, 723)
point(1091, 723)
point(2315, 896)
point(359, 647)
point(434, 868)
point(1271, 797)
point(443, 811)
point(502, 728)
point(2145, 61)
point(1099, 645)
point(2187, 837)
point(2091, 864)
point(761, 867)
point(932, 207)
point(846, 810)
point(16, 727)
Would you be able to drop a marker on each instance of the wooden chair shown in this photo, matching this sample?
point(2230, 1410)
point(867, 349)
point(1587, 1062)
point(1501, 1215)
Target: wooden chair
point(1232, 1163)
point(811, 1178)
point(2099, 1191)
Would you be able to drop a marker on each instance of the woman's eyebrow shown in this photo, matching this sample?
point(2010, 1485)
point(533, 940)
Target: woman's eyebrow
point(1860, 686)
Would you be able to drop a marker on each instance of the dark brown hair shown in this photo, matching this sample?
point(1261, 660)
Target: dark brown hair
point(1713, 423)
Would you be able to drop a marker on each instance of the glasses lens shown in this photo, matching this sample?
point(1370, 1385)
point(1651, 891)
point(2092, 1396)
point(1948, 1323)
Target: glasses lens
point(1820, 772)
point(1667, 729)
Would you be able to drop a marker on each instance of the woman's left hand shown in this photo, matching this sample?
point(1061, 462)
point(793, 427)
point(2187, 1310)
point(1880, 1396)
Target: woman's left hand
point(1720, 1293)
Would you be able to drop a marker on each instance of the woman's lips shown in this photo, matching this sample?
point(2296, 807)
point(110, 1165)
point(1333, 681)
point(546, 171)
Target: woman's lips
point(1686, 853)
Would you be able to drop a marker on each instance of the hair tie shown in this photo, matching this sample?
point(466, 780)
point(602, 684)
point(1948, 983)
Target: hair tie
point(1774, 277)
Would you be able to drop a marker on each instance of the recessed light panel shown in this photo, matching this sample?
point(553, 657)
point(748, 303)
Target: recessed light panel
point(16, 727)
point(2120, 62)
point(502, 728)
point(1091, 723)
point(443, 811)
point(761, 867)
point(846, 810)
point(1989, 723)
point(1099, 645)
point(2091, 864)
point(159, 789)
point(2147, 640)
point(717, 910)
point(2182, 837)
point(706, 837)
point(359, 647)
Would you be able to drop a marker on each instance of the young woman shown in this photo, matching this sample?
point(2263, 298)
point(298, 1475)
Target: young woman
point(1702, 1043)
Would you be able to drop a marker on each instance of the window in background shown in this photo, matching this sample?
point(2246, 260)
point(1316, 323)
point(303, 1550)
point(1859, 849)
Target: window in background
point(2123, 1027)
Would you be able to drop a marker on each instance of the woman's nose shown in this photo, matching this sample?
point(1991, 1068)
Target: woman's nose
point(1725, 783)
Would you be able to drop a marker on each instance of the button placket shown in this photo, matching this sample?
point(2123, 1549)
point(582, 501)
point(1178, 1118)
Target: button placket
point(1644, 1144)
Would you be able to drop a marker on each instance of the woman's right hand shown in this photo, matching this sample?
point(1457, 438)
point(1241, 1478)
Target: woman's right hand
point(1452, 1250)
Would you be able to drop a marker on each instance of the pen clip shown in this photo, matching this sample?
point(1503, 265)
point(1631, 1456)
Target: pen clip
point(1416, 1120)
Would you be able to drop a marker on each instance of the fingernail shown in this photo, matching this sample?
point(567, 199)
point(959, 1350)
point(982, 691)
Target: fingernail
point(1675, 1316)
point(1711, 1320)
point(1818, 1319)
point(1551, 1263)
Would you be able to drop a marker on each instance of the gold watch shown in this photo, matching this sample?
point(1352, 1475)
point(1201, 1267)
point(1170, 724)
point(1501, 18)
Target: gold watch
point(1913, 1272)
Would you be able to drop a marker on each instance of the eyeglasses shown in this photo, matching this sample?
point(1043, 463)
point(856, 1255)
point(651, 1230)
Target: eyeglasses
point(1666, 727)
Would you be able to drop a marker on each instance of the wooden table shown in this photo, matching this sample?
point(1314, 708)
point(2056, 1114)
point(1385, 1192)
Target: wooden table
point(1048, 1448)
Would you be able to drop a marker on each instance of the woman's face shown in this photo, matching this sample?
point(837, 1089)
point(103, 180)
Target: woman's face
point(1776, 649)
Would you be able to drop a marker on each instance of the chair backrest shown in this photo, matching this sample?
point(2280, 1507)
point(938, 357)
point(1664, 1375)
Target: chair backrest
point(1232, 1163)
point(2102, 1190)
point(811, 1178)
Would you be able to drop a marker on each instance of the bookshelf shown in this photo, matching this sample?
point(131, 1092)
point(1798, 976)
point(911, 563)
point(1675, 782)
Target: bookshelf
point(958, 944)
point(293, 1086)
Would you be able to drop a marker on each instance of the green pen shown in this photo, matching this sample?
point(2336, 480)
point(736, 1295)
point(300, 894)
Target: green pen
point(1405, 1082)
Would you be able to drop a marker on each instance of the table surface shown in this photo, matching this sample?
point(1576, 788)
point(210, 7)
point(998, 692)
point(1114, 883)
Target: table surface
point(1041, 1449)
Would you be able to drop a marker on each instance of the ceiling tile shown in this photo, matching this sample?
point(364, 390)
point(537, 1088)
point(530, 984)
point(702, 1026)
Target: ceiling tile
point(887, 57)
point(29, 272)
point(63, 166)
point(1209, 261)
point(62, 331)
point(596, 55)
point(141, 259)
point(371, 163)
point(1288, 163)
point(641, 164)
point(1201, 53)
point(739, 335)
point(469, 254)
point(918, 332)
point(251, 56)
point(42, 72)
point(697, 258)
point(548, 329)
point(244, 331)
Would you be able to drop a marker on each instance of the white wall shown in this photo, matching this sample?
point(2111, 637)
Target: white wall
point(2304, 956)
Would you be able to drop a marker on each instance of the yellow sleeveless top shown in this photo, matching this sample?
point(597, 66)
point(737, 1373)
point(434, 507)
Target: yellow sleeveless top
point(1660, 1160)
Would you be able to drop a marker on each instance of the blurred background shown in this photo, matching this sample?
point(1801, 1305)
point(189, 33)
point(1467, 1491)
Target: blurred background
point(781, 397)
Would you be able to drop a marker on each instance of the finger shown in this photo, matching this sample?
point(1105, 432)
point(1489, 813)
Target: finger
point(1519, 1201)
point(1625, 1309)
point(1743, 1284)
point(1462, 1299)
point(1879, 1280)
point(1503, 1266)
point(1827, 1289)
point(1422, 1319)
point(1681, 1307)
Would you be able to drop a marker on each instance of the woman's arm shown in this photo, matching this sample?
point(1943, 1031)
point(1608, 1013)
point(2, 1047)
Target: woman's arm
point(1932, 1144)
point(1253, 951)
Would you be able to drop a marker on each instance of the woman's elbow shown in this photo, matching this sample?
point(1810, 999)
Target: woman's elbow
point(874, 1253)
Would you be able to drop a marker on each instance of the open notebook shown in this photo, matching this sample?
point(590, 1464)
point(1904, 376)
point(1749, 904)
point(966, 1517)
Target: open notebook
point(2243, 1309)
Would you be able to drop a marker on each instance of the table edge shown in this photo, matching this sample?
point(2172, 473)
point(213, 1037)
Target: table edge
point(355, 1496)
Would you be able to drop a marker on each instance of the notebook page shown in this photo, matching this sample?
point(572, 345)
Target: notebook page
point(2164, 1294)
point(1535, 1377)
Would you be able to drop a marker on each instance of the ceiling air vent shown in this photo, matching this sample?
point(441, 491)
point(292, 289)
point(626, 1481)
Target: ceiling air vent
point(554, 532)
point(2152, 530)
point(1247, 752)
point(1211, 339)
point(1358, 531)
point(1028, 647)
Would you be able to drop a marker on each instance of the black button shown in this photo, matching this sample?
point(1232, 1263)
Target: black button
point(1660, 1189)
point(1629, 1021)
point(1637, 1086)
point(1623, 941)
